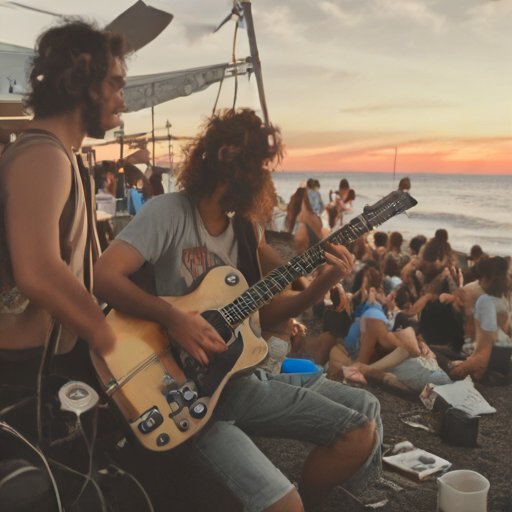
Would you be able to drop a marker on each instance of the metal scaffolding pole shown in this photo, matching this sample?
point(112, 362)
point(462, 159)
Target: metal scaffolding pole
point(153, 131)
point(255, 58)
point(168, 126)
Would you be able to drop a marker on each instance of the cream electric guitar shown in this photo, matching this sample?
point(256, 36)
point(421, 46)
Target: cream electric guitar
point(164, 394)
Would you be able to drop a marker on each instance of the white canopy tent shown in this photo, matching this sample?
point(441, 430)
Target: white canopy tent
point(141, 24)
point(13, 63)
point(141, 91)
point(150, 90)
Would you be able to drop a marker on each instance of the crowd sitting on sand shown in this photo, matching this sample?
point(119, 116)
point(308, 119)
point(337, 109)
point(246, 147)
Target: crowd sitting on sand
point(403, 303)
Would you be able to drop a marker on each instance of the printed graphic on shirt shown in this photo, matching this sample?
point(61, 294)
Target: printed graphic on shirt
point(196, 261)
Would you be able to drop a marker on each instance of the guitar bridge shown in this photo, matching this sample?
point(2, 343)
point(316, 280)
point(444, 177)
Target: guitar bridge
point(169, 384)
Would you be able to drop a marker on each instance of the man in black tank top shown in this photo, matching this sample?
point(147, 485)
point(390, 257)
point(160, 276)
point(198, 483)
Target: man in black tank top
point(76, 82)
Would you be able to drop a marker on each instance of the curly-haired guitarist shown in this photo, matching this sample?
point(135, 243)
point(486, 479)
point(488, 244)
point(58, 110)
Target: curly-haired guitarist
point(176, 239)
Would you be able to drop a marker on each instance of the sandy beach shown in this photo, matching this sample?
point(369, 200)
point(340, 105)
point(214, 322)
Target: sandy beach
point(190, 489)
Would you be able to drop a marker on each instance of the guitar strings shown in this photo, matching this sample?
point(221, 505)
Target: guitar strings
point(304, 264)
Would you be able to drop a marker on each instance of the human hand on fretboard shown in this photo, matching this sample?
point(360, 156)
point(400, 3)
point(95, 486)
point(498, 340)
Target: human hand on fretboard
point(339, 263)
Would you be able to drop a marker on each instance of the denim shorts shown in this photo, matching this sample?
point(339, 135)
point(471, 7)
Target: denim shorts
point(305, 407)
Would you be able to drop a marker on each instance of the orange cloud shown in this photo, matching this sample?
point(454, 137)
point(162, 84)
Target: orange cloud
point(458, 156)
point(451, 156)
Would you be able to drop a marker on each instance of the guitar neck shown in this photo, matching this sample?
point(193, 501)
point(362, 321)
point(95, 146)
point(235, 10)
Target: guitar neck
point(278, 279)
point(265, 290)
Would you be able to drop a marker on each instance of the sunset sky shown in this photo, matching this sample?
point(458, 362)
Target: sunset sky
point(347, 80)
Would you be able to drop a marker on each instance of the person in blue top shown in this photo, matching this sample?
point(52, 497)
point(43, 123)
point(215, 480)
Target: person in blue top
point(138, 196)
point(371, 337)
point(314, 196)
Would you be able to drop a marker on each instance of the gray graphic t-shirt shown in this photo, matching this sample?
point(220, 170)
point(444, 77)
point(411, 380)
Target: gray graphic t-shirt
point(169, 233)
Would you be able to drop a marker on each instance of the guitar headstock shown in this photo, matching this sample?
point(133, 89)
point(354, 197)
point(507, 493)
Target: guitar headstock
point(389, 206)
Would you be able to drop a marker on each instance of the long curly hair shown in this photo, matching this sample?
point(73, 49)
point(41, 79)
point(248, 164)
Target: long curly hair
point(294, 207)
point(70, 61)
point(235, 150)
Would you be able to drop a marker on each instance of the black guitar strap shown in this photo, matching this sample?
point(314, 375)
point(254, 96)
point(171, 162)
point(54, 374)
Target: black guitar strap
point(247, 250)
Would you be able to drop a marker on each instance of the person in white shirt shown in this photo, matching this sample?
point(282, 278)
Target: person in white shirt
point(492, 274)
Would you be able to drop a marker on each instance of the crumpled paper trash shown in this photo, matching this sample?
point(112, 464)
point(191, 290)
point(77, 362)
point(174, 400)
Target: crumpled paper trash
point(461, 395)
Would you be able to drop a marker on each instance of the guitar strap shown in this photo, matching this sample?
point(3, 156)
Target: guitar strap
point(247, 249)
point(92, 248)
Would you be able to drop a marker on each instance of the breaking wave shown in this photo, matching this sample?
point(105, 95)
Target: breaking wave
point(461, 220)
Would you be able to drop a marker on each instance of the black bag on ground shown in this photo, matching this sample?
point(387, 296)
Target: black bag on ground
point(460, 428)
point(500, 360)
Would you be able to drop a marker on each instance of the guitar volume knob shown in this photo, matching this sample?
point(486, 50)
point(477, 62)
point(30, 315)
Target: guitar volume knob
point(232, 279)
point(198, 411)
point(189, 395)
point(162, 440)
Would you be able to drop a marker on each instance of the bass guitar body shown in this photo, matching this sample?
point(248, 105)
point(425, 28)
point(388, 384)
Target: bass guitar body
point(164, 394)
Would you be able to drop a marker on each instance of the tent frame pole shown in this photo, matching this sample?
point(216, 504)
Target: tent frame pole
point(255, 58)
point(153, 132)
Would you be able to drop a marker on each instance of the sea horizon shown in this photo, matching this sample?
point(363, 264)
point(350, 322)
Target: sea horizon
point(474, 208)
point(403, 174)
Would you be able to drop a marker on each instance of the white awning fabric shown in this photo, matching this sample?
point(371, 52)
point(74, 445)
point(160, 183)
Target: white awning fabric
point(150, 90)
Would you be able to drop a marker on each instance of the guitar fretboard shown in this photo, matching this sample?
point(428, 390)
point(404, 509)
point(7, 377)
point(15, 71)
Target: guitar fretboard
point(278, 279)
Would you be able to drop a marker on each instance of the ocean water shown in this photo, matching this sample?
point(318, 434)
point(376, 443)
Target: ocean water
point(474, 209)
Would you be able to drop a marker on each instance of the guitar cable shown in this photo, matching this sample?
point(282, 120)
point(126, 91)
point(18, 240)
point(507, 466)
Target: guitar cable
point(139, 485)
point(7, 428)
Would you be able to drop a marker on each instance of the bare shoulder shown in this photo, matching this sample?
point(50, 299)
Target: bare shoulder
point(38, 159)
point(43, 167)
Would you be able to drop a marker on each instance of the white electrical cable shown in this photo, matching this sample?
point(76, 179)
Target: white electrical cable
point(7, 428)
